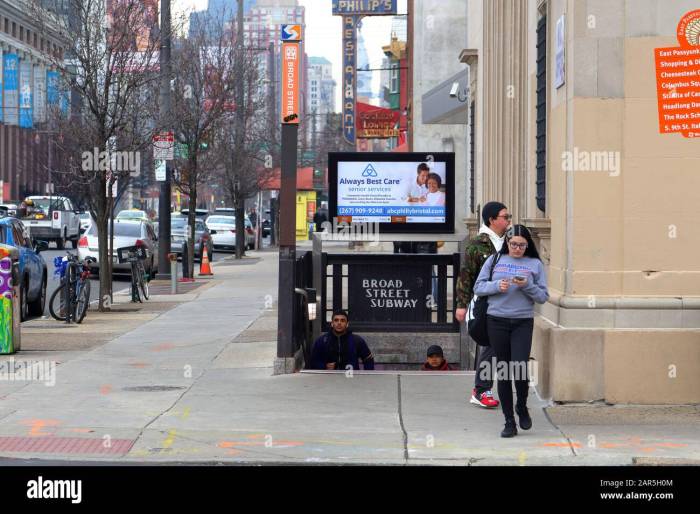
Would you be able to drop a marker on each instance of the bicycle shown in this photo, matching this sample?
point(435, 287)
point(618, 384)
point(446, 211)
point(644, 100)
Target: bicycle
point(74, 290)
point(136, 255)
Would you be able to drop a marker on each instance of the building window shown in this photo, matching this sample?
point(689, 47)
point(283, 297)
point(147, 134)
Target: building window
point(394, 78)
point(541, 107)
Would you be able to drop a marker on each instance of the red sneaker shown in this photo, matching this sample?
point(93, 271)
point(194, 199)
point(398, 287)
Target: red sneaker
point(484, 399)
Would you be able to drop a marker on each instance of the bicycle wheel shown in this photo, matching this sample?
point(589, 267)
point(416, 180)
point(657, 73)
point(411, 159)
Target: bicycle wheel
point(143, 283)
point(83, 302)
point(57, 304)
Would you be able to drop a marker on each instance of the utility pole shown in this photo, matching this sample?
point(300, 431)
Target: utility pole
point(239, 135)
point(272, 110)
point(165, 108)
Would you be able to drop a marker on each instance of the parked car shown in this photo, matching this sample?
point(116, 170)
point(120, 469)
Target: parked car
point(9, 209)
point(126, 233)
point(132, 214)
point(266, 228)
point(52, 218)
point(198, 213)
point(32, 267)
point(202, 237)
point(223, 232)
point(85, 222)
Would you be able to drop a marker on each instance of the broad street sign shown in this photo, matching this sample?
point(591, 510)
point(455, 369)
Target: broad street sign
point(386, 292)
point(291, 56)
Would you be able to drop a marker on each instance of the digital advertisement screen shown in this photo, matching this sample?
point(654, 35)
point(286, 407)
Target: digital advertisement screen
point(402, 192)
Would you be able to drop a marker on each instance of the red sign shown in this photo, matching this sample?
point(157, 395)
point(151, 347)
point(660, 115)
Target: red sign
point(376, 122)
point(164, 146)
point(678, 80)
point(291, 57)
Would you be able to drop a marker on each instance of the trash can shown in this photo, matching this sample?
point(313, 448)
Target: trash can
point(10, 332)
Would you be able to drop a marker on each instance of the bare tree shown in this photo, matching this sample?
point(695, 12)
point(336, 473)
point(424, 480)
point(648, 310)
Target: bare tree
point(202, 99)
point(243, 147)
point(110, 59)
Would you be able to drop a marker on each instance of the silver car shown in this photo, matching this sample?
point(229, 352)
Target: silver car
point(126, 233)
point(178, 230)
point(223, 232)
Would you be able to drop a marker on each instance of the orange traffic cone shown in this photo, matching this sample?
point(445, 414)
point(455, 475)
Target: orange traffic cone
point(204, 266)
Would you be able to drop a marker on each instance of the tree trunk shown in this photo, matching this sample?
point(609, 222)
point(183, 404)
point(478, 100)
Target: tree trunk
point(191, 217)
point(102, 219)
point(240, 230)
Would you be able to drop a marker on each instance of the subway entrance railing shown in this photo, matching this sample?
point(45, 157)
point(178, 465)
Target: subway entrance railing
point(400, 303)
point(390, 292)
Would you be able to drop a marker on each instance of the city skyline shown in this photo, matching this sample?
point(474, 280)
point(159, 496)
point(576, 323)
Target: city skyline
point(323, 36)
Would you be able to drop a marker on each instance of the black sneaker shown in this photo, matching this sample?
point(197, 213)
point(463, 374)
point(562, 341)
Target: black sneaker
point(524, 418)
point(510, 429)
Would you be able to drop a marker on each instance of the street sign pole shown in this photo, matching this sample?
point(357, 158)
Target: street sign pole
point(165, 188)
point(290, 80)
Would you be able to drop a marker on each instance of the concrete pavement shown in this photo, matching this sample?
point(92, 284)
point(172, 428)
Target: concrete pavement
point(193, 383)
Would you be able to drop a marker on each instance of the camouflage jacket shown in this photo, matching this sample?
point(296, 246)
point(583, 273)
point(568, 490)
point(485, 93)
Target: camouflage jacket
point(478, 250)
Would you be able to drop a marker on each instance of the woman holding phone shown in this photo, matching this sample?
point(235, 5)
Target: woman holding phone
point(518, 282)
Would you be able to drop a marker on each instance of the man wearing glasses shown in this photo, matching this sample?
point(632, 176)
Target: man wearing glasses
point(489, 241)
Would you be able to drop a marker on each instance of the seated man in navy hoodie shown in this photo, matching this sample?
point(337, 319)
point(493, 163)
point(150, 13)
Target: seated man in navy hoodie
point(340, 348)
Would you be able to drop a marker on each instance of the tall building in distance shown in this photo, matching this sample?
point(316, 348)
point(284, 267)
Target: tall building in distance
point(365, 93)
point(209, 20)
point(321, 91)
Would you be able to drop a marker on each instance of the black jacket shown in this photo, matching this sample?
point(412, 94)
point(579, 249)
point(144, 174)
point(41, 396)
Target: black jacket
point(344, 351)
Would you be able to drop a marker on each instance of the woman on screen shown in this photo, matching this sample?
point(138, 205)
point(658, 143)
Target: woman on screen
point(435, 196)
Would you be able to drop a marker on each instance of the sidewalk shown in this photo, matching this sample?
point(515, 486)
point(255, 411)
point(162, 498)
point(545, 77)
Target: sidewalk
point(193, 383)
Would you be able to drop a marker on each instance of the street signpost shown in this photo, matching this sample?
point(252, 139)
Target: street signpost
point(290, 103)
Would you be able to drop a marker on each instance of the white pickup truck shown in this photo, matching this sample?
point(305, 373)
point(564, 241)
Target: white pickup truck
point(53, 218)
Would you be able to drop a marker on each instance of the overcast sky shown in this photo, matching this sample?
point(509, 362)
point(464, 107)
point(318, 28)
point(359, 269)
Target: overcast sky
point(323, 35)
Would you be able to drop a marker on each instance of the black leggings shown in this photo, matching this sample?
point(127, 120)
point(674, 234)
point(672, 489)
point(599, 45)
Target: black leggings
point(512, 341)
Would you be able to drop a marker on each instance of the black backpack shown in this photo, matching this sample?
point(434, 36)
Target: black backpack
point(477, 327)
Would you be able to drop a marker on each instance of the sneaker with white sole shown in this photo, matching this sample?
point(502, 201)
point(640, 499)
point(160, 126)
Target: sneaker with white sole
point(484, 399)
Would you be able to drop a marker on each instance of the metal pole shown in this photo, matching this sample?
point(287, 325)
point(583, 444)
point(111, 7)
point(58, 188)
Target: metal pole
point(287, 262)
point(173, 276)
point(165, 187)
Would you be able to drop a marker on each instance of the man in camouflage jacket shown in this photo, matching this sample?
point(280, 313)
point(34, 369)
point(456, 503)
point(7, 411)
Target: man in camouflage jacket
point(489, 241)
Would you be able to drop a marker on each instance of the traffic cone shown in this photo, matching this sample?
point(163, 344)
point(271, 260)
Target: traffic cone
point(204, 266)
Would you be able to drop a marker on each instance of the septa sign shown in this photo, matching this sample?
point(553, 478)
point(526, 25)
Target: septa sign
point(291, 56)
point(291, 32)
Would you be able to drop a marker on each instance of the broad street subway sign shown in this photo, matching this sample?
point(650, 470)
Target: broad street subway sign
point(365, 7)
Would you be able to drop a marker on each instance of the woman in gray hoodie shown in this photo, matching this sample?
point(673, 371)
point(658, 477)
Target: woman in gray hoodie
point(518, 282)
